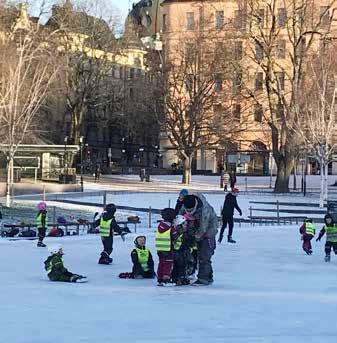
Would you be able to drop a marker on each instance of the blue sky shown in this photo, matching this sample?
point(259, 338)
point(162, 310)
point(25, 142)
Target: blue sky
point(123, 5)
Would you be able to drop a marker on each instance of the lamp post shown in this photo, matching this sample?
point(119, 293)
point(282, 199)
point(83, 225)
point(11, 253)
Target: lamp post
point(81, 156)
point(65, 154)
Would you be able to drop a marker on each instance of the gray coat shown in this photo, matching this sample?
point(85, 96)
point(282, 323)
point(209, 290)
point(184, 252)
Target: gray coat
point(206, 218)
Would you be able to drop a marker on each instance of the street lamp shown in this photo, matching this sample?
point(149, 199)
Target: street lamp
point(65, 154)
point(81, 156)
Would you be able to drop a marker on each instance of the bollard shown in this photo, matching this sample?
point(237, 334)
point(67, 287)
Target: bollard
point(246, 184)
point(150, 216)
point(278, 212)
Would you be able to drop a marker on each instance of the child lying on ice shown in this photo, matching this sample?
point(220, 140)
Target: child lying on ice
point(56, 270)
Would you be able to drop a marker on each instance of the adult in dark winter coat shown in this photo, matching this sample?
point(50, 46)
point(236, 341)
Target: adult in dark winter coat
point(228, 213)
point(206, 227)
point(183, 193)
point(107, 226)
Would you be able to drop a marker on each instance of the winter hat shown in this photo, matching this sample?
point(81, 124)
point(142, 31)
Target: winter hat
point(308, 220)
point(189, 201)
point(328, 215)
point(168, 214)
point(55, 249)
point(111, 208)
point(183, 192)
point(139, 240)
point(41, 206)
point(235, 190)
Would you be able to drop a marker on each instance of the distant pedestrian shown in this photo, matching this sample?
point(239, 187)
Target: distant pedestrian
point(182, 194)
point(330, 229)
point(229, 205)
point(226, 179)
point(97, 173)
point(307, 230)
point(232, 178)
point(142, 174)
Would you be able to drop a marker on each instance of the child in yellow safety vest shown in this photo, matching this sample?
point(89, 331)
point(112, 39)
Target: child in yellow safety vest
point(41, 223)
point(143, 265)
point(165, 236)
point(307, 230)
point(330, 229)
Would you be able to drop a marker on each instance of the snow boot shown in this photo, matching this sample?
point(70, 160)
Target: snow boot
point(230, 239)
point(327, 258)
point(200, 283)
point(40, 244)
point(220, 239)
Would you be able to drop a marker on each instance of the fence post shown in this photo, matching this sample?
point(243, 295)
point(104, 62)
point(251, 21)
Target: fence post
point(278, 212)
point(150, 216)
point(246, 184)
point(54, 214)
point(251, 215)
point(104, 199)
point(169, 203)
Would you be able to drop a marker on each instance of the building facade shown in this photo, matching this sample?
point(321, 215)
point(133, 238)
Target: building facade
point(250, 151)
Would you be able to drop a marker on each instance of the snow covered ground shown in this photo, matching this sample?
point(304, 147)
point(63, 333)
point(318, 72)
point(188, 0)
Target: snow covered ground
point(265, 290)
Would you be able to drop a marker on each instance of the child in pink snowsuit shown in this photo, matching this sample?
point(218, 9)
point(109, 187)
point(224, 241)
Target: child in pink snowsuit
point(307, 230)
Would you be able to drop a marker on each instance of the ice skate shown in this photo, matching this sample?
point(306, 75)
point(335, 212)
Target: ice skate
point(230, 239)
point(327, 258)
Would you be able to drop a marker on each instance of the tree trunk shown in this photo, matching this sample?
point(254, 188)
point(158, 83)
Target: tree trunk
point(9, 184)
point(283, 175)
point(187, 170)
point(324, 184)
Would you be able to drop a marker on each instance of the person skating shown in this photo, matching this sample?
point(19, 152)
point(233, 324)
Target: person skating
point(226, 179)
point(206, 228)
point(179, 204)
point(232, 178)
point(330, 229)
point(165, 236)
point(41, 223)
point(55, 268)
point(229, 205)
point(307, 230)
point(107, 226)
point(143, 265)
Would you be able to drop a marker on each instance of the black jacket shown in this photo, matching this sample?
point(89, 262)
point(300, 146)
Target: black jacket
point(229, 205)
point(137, 268)
point(179, 205)
point(114, 227)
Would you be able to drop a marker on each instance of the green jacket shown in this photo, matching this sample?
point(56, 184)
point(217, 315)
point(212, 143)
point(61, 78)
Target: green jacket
point(54, 267)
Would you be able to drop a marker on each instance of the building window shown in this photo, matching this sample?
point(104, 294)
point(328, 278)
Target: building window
point(237, 82)
point(237, 111)
point(132, 93)
point(325, 15)
point(238, 50)
point(218, 82)
point(258, 51)
point(282, 17)
point(258, 113)
point(259, 81)
point(190, 21)
point(132, 73)
point(281, 49)
point(260, 17)
point(219, 19)
point(280, 79)
point(164, 22)
point(238, 19)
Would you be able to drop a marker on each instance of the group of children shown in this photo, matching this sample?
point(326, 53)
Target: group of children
point(176, 249)
point(307, 231)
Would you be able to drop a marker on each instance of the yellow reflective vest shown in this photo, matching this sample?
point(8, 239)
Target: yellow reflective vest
point(104, 227)
point(178, 242)
point(331, 233)
point(39, 221)
point(310, 229)
point(143, 258)
point(163, 241)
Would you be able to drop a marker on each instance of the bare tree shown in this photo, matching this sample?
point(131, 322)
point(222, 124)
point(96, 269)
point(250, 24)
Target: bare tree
point(202, 104)
point(283, 36)
point(26, 71)
point(317, 123)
